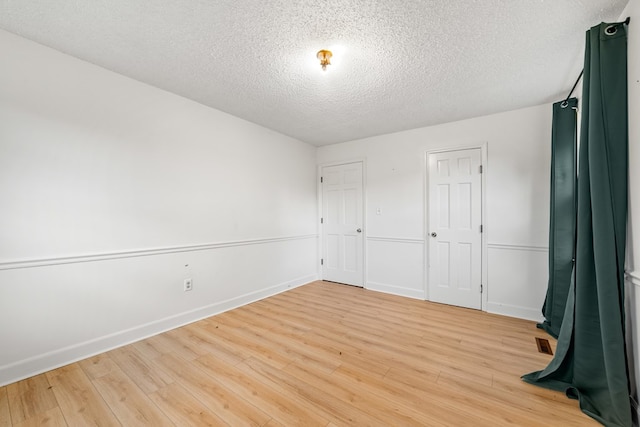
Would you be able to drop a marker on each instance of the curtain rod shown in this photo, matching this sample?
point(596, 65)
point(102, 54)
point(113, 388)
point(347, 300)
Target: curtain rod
point(566, 100)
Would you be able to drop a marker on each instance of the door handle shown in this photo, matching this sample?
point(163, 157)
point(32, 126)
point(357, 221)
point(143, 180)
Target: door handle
point(359, 230)
point(434, 234)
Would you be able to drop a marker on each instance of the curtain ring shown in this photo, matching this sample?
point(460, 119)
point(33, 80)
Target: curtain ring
point(564, 104)
point(611, 30)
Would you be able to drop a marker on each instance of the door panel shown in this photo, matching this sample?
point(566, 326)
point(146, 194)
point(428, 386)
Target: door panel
point(465, 257)
point(442, 264)
point(443, 206)
point(454, 234)
point(342, 217)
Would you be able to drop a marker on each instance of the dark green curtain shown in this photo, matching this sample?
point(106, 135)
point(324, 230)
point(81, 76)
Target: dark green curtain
point(562, 215)
point(590, 362)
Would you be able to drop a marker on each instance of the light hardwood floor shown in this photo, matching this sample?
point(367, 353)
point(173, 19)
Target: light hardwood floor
point(323, 354)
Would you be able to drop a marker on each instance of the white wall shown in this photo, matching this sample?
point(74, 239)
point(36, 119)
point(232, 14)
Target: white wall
point(113, 192)
point(517, 196)
point(633, 243)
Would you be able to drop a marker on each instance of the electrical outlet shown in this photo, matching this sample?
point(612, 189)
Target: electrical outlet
point(188, 285)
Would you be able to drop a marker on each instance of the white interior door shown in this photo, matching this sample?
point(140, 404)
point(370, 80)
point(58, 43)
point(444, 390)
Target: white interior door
point(455, 227)
point(342, 223)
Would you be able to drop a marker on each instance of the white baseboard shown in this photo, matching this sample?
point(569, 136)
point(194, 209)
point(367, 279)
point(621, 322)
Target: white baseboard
point(42, 363)
point(395, 290)
point(515, 311)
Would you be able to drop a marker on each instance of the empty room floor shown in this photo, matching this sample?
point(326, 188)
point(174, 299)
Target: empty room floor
point(322, 354)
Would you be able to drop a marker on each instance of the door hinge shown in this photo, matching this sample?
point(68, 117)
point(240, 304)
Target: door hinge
point(321, 261)
point(321, 220)
point(480, 168)
point(481, 288)
point(481, 228)
point(321, 180)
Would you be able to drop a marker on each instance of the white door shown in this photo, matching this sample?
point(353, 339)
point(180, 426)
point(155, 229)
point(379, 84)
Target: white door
point(342, 223)
point(454, 227)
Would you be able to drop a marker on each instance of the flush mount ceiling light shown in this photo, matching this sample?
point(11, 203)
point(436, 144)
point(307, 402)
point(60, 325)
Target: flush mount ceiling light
point(325, 58)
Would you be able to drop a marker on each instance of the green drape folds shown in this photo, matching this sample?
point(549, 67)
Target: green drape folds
point(562, 218)
point(590, 362)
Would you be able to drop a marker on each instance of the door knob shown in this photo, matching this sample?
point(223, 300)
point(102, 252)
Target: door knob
point(434, 234)
point(359, 230)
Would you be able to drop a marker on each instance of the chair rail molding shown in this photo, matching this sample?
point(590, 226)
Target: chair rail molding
point(514, 247)
point(103, 256)
point(632, 277)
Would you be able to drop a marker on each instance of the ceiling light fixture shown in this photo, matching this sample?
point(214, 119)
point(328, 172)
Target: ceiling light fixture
point(325, 58)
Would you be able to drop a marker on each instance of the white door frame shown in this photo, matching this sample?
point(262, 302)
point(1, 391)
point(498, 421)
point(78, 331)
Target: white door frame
point(483, 213)
point(364, 213)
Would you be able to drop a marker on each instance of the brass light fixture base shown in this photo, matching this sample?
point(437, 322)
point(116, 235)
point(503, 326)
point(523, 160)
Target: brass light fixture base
point(325, 58)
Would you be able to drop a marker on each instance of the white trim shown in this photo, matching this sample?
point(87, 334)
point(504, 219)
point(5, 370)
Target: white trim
point(342, 162)
point(395, 240)
point(484, 159)
point(515, 311)
point(395, 290)
point(71, 259)
point(632, 277)
point(484, 155)
point(320, 166)
point(319, 242)
point(510, 247)
point(35, 365)
point(425, 221)
point(365, 223)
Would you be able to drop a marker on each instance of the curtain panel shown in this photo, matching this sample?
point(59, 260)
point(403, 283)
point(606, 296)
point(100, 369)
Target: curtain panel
point(590, 360)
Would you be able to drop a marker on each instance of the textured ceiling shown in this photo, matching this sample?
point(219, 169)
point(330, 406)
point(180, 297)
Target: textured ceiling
point(397, 64)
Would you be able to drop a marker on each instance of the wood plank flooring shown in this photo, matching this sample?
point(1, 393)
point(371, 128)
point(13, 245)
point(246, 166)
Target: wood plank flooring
point(322, 354)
